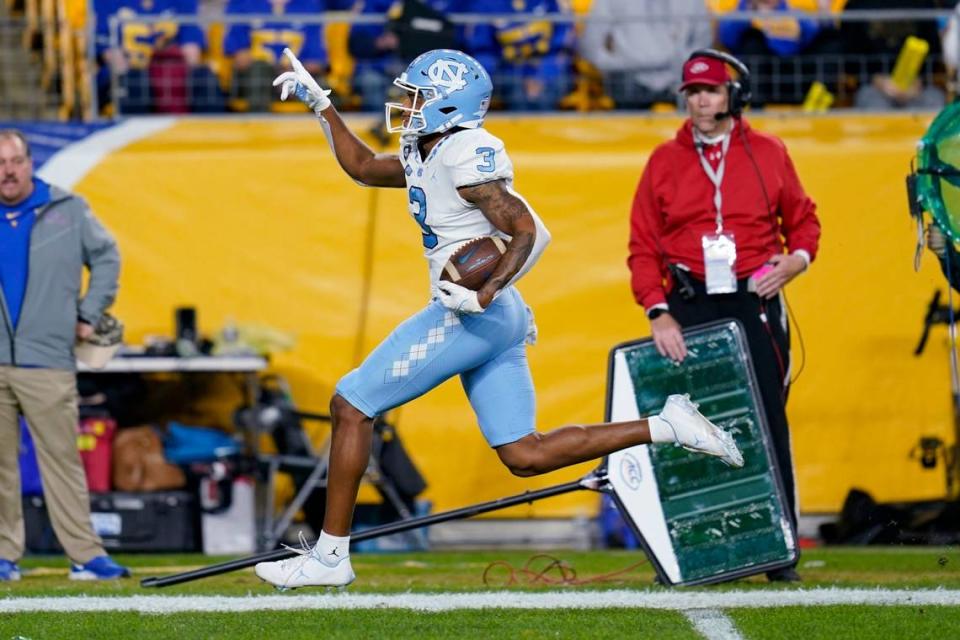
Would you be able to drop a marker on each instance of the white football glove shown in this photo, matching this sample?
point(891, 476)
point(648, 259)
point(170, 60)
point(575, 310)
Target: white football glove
point(300, 83)
point(458, 299)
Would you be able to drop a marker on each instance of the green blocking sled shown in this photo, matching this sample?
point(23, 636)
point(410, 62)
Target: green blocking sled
point(698, 520)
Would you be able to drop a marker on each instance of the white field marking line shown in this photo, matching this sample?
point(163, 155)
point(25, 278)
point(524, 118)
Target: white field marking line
point(670, 601)
point(69, 165)
point(713, 624)
point(63, 571)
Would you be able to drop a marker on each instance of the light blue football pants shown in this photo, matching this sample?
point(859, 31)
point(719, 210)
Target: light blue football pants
point(487, 350)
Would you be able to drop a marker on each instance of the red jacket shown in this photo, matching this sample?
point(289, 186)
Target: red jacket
point(673, 208)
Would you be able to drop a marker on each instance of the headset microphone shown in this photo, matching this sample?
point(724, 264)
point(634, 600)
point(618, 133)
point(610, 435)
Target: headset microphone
point(723, 115)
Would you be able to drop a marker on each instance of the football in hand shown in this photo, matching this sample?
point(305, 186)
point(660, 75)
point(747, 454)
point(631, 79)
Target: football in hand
point(472, 264)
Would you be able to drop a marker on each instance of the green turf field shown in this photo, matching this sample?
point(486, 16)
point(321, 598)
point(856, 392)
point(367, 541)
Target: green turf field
point(434, 576)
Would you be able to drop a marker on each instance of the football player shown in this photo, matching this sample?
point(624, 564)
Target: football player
point(459, 181)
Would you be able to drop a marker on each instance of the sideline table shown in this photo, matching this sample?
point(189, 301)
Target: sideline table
point(198, 364)
point(248, 367)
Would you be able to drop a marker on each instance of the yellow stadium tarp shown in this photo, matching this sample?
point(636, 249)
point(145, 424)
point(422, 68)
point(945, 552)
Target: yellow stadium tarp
point(254, 220)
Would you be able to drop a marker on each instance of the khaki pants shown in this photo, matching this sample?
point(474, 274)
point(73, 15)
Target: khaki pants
point(47, 398)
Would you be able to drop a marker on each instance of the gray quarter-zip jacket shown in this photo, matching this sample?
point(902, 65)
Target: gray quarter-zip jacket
point(65, 238)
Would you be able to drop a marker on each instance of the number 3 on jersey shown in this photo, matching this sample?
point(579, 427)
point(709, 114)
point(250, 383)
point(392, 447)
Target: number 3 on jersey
point(418, 208)
point(487, 155)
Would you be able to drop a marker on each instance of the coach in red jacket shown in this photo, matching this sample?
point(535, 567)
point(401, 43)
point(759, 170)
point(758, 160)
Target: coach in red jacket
point(720, 223)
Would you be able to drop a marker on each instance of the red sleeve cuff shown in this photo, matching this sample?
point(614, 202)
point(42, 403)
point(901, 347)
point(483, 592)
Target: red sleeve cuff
point(653, 298)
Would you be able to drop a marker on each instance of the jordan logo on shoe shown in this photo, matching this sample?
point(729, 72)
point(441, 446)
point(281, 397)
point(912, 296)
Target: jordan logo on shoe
point(334, 553)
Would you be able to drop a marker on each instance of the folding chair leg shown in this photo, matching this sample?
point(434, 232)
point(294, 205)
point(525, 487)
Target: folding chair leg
point(316, 479)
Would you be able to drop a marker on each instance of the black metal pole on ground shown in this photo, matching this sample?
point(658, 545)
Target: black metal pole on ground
point(591, 482)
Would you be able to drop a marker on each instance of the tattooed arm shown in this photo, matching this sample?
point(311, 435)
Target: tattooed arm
point(358, 160)
point(509, 213)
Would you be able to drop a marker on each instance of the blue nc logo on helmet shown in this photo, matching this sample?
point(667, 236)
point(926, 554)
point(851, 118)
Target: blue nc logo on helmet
point(445, 89)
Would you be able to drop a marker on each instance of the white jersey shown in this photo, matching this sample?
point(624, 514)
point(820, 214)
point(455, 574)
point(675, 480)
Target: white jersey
point(465, 158)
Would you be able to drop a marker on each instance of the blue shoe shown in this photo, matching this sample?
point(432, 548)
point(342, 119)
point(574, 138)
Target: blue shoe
point(9, 571)
point(100, 568)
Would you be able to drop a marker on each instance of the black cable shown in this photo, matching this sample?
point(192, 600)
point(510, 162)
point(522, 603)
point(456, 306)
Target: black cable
point(781, 365)
point(803, 350)
point(763, 186)
point(776, 234)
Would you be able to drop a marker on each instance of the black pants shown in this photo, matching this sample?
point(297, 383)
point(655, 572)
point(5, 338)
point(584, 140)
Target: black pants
point(769, 344)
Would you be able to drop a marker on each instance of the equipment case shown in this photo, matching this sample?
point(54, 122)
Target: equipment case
point(154, 521)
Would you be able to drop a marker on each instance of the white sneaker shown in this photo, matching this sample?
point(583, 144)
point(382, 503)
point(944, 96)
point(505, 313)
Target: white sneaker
point(695, 433)
point(306, 569)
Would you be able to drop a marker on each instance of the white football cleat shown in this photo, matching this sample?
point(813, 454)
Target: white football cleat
point(695, 433)
point(306, 569)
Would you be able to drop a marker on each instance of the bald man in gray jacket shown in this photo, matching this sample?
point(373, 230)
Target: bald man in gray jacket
point(47, 237)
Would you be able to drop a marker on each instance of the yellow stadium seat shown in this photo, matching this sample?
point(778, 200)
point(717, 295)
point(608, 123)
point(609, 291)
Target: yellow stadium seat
point(340, 78)
point(588, 93)
point(76, 13)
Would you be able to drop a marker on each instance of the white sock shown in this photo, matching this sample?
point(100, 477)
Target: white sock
point(660, 430)
point(332, 549)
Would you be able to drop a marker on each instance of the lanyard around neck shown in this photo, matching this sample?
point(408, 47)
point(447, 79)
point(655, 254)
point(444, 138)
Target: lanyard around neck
point(715, 176)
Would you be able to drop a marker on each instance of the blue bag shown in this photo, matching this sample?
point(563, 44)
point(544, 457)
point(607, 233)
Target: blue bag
point(613, 528)
point(185, 444)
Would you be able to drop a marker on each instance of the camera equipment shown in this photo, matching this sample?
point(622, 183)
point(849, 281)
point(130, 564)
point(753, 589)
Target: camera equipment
point(927, 450)
point(937, 173)
point(928, 447)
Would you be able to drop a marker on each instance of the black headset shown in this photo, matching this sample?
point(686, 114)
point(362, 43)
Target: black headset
point(740, 90)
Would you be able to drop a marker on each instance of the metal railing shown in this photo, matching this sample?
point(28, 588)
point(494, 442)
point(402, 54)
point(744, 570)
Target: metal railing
point(44, 64)
point(168, 85)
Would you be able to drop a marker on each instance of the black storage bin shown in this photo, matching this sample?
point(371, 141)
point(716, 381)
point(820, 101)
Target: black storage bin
point(155, 521)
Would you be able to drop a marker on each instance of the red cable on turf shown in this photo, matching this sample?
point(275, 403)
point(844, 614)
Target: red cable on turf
point(530, 576)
